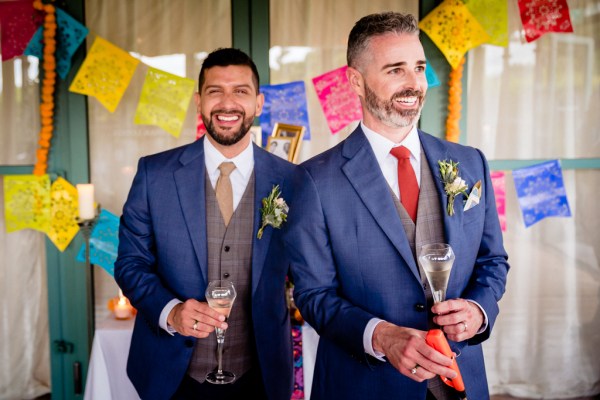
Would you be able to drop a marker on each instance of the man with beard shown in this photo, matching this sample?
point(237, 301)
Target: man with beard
point(361, 212)
point(192, 216)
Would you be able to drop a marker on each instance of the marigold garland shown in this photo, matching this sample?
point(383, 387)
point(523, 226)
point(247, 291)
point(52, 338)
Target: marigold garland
point(48, 86)
point(454, 99)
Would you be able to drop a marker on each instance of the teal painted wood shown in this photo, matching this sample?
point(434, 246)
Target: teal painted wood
point(566, 164)
point(240, 24)
point(250, 33)
point(16, 169)
point(260, 38)
point(70, 306)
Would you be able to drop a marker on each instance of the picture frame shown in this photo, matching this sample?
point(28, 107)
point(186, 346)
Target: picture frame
point(293, 132)
point(256, 134)
point(281, 146)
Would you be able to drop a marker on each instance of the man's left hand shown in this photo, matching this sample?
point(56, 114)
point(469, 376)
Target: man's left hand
point(460, 319)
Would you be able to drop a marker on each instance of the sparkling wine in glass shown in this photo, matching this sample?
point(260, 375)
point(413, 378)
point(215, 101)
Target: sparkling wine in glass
point(436, 259)
point(220, 295)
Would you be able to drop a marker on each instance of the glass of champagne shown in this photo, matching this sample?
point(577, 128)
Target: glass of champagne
point(436, 259)
point(220, 295)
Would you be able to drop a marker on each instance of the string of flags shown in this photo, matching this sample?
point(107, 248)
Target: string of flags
point(455, 26)
point(31, 202)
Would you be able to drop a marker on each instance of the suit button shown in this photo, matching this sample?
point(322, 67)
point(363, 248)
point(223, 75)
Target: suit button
point(227, 248)
point(189, 343)
point(419, 307)
point(226, 275)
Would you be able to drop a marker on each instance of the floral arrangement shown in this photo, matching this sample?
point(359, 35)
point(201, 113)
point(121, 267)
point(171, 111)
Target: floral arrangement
point(453, 184)
point(274, 211)
point(454, 99)
point(48, 86)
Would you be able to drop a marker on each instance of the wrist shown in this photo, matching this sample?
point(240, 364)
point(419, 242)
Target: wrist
point(379, 336)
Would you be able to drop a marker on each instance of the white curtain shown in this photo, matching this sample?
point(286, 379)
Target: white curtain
point(19, 111)
point(24, 352)
point(531, 101)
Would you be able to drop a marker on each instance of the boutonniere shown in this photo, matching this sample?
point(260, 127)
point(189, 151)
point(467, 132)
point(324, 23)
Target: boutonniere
point(453, 184)
point(274, 211)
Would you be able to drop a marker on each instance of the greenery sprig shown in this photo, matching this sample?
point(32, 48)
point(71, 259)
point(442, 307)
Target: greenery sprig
point(453, 184)
point(274, 211)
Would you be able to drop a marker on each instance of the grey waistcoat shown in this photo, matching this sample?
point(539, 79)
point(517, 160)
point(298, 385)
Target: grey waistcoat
point(229, 257)
point(428, 229)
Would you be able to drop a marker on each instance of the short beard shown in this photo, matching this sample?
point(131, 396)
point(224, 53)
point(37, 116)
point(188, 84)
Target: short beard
point(384, 110)
point(227, 140)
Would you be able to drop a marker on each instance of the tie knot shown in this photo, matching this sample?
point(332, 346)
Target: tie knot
point(226, 168)
point(400, 152)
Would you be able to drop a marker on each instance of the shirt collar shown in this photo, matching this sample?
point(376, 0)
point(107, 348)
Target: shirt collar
point(382, 145)
point(244, 162)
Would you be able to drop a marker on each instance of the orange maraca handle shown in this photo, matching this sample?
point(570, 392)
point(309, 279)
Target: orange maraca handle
point(435, 338)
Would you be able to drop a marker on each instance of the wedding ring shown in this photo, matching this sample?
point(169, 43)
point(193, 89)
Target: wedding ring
point(195, 326)
point(465, 325)
point(414, 370)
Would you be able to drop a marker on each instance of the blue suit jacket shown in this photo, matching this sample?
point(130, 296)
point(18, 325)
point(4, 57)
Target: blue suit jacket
point(351, 262)
point(163, 255)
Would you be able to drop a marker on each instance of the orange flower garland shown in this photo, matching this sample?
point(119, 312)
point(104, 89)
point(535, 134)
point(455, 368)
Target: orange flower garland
point(454, 106)
point(48, 85)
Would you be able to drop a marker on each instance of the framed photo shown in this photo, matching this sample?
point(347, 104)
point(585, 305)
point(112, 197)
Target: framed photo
point(281, 146)
point(293, 132)
point(256, 133)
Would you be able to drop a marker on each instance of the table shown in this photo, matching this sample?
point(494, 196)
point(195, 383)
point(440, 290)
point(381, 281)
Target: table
point(107, 372)
point(107, 376)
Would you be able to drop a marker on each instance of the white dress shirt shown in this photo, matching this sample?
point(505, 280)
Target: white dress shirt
point(388, 163)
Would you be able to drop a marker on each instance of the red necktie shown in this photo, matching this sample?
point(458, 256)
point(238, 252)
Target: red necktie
point(407, 181)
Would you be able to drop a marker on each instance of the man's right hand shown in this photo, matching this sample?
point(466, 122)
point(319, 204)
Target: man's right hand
point(407, 351)
point(194, 318)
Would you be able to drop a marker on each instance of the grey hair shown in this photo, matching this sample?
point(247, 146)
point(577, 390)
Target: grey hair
point(376, 25)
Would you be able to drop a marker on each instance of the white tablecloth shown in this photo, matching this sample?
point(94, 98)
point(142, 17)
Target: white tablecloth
point(107, 377)
point(310, 341)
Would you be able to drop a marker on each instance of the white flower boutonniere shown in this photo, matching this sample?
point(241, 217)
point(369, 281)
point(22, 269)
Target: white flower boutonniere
point(274, 211)
point(453, 184)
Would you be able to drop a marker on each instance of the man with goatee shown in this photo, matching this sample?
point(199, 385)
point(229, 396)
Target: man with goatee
point(181, 229)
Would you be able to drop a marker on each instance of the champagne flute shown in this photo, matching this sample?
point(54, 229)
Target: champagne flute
point(436, 259)
point(220, 295)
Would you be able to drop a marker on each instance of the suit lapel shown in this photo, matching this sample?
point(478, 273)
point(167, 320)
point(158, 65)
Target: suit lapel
point(435, 150)
point(266, 176)
point(364, 174)
point(190, 180)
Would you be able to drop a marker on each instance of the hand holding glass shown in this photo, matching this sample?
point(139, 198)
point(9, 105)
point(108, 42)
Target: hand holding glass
point(220, 295)
point(436, 259)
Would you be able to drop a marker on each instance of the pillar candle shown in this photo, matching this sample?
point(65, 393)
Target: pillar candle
point(86, 201)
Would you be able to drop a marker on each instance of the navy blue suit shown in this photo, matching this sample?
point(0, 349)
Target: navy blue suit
point(351, 262)
point(163, 255)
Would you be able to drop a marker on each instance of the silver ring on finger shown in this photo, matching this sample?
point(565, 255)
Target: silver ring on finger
point(195, 326)
point(414, 370)
point(465, 325)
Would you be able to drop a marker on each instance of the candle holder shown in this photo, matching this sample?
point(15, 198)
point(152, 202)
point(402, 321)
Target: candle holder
point(121, 308)
point(86, 226)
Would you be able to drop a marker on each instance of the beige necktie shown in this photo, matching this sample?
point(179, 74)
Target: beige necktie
point(225, 192)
